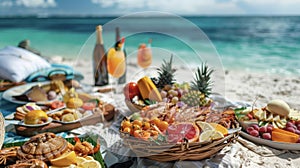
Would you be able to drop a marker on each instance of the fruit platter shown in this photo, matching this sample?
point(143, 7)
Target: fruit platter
point(74, 110)
point(175, 121)
point(276, 125)
point(48, 150)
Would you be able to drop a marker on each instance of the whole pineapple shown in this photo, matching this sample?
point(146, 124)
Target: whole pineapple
point(202, 81)
point(195, 98)
point(166, 74)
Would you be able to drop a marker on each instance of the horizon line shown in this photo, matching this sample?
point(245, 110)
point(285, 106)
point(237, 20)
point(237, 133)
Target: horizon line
point(116, 15)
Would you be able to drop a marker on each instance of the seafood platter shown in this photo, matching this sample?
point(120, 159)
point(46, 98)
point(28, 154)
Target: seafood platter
point(46, 150)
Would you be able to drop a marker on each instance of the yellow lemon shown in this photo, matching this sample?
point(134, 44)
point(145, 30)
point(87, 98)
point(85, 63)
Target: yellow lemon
point(71, 166)
point(204, 126)
point(89, 158)
point(90, 164)
point(80, 160)
point(210, 135)
point(74, 103)
point(65, 160)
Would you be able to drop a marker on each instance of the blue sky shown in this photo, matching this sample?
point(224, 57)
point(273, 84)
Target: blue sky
point(120, 7)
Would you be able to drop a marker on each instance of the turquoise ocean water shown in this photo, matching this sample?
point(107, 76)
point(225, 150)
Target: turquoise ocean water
point(263, 44)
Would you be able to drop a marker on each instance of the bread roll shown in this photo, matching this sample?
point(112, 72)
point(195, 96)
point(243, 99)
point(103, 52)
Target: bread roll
point(279, 107)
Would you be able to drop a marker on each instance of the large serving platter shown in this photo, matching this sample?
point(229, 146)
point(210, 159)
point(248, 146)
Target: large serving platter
point(273, 144)
point(18, 90)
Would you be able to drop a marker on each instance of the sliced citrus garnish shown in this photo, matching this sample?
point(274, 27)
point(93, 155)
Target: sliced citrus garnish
point(210, 135)
point(177, 132)
point(204, 126)
point(80, 160)
point(89, 158)
point(220, 128)
point(90, 164)
point(65, 159)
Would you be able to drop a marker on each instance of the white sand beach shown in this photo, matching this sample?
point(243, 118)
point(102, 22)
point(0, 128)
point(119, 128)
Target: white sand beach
point(239, 85)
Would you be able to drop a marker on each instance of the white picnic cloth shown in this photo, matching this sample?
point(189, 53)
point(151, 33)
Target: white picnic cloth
point(243, 153)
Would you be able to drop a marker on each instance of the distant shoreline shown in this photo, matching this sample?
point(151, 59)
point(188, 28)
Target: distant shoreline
point(116, 16)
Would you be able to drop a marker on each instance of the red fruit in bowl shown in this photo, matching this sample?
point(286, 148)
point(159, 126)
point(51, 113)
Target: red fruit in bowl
point(256, 127)
point(130, 90)
point(263, 129)
point(266, 136)
point(269, 129)
point(254, 133)
point(249, 129)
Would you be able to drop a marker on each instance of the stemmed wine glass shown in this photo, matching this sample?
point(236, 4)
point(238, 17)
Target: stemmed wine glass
point(144, 55)
point(116, 63)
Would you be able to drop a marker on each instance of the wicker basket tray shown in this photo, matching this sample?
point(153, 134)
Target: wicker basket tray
point(2, 130)
point(172, 152)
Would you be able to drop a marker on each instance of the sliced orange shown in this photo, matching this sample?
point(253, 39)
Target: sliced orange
point(188, 130)
point(219, 128)
point(280, 135)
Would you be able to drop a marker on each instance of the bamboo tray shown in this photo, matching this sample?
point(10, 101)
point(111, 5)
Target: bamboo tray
point(173, 152)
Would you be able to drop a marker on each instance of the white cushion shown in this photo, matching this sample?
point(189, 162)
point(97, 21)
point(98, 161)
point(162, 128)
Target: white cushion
point(17, 63)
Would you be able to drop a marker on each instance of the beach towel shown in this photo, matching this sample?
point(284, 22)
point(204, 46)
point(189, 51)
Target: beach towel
point(55, 71)
point(16, 63)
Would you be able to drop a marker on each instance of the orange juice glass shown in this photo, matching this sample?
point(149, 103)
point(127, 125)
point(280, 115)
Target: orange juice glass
point(116, 64)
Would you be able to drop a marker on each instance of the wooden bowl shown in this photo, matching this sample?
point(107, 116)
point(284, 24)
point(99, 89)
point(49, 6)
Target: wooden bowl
point(133, 107)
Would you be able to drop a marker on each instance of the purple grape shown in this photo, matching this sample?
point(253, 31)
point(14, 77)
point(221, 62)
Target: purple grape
point(254, 133)
point(179, 93)
point(249, 129)
point(165, 99)
point(269, 129)
point(266, 136)
point(291, 129)
point(297, 132)
point(298, 140)
point(289, 124)
point(263, 129)
point(180, 104)
point(256, 127)
point(163, 94)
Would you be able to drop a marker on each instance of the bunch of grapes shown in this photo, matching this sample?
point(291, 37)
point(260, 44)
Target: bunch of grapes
point(264, 132)
point(173, 93)
point(293, 127)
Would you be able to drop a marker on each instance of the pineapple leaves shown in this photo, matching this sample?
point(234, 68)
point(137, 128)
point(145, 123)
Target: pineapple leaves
point(166, 73)
point(202, 80)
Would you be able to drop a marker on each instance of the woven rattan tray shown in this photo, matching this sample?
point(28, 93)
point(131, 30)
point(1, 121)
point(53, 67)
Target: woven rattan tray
point(184, 151)
point(2, 130)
